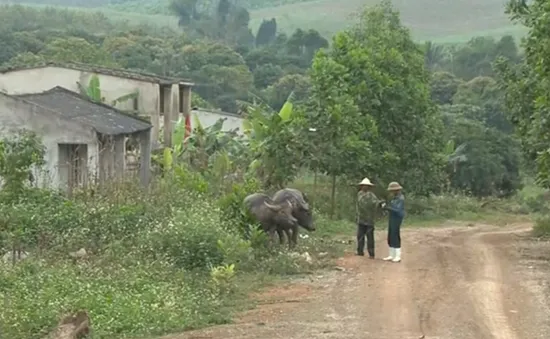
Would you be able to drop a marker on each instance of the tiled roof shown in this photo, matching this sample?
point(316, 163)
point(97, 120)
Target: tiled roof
point(121, 73)
point(75, 107)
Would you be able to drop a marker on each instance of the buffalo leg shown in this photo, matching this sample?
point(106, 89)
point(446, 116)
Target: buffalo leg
point(271, 233)
point(289, 238)
point(294, 236)
point(281, 236)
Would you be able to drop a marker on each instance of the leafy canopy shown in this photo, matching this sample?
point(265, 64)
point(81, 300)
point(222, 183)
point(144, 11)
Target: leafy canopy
point(387, 81)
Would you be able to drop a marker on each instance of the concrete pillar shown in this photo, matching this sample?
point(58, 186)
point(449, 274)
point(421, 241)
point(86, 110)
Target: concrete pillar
point(175, 104)
point(50, 175)
point(106, 159)
point(186, 100)
point(120, 156)
point(173, 108)
point(167, 97)
point(94, 161)
point(145, 157)
point(155, 121)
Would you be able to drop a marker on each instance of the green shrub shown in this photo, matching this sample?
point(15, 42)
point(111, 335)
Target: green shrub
point(542, 226)
point(445, 206)
point(159, 261)
point(141, 299)
point(231, 206)
point(534, 199)
point(190, 239)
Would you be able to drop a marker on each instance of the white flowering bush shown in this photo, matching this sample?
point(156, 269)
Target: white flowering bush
point(123, 300)
point(142, 275)
point(153, 262)
point(190, 239)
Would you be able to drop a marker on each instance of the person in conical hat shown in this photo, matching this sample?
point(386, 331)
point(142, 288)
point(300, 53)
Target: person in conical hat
point(396, 207)
point(367, 209)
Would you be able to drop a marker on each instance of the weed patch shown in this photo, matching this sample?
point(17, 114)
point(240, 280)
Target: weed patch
point(160, 262)
point(542, 227)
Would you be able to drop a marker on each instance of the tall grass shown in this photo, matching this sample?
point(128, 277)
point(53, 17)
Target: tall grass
point(160, 261)
point(422, 210)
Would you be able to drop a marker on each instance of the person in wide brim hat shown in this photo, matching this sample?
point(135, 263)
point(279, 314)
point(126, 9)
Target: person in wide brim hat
point(394, 186)
point(396, 208)
point(366, 210)
point(365, 182)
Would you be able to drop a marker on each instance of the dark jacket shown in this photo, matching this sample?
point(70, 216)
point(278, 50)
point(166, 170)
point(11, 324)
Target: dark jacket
point(367, 208)
point(396, 207)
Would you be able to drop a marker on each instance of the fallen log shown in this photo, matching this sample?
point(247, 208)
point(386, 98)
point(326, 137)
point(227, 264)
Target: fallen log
point(72, 326)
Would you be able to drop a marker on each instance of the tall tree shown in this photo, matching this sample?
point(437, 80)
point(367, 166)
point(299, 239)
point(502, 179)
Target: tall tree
point(528, 85)
point(388, 82)
point(489, 162)
point(267, 32)
point(484, 93)
point(186, 10)
point(335, 118)
point(434, 55)
point(76, 50)
point(443, 87)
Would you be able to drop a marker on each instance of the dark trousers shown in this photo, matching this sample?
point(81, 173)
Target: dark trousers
point(368, 231)
point(394, 235)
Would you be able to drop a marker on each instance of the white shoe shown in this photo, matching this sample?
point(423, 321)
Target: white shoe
point(391, 256)
point(397, 257)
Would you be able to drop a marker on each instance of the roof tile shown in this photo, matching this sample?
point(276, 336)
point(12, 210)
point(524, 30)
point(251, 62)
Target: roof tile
point(75, 107)
point(122, 73)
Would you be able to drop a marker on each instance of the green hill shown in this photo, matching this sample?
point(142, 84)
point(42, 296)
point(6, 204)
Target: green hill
point(439, 20)
point(442, 20)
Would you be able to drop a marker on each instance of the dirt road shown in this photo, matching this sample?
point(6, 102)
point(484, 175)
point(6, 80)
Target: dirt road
point(458, 282)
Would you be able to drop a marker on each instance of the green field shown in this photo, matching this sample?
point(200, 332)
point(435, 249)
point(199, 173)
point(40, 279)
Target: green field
point(440, 20)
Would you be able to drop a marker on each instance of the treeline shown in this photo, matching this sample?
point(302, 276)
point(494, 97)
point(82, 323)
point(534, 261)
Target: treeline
point(267, 65)
point(145, 6)
point(483, 155)
point(230, 63)
point(525, 85)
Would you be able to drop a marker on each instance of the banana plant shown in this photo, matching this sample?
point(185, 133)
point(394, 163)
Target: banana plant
point(268, 136)
point(93, 91)
point(455, 156)
point(168, 153)
point(206, 149)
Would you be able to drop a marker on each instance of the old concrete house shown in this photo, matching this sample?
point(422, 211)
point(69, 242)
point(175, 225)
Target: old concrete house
point(232, 121)
point(85, 141)
point(161, 99)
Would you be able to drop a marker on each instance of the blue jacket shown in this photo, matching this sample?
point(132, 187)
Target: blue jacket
point(397, 210)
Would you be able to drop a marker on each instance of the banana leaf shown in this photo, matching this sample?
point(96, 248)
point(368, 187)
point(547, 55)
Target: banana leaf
point(94, 91)
point(168, 161)
point(125, 98)
point(178, 135)
point(286, 111)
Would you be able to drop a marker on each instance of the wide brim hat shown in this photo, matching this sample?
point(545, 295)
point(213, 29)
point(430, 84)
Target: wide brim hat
point(394, 186)
point(365, 182)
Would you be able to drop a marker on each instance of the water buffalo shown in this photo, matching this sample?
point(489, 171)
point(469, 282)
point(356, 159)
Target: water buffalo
point(300, 210)
point(272, 216)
